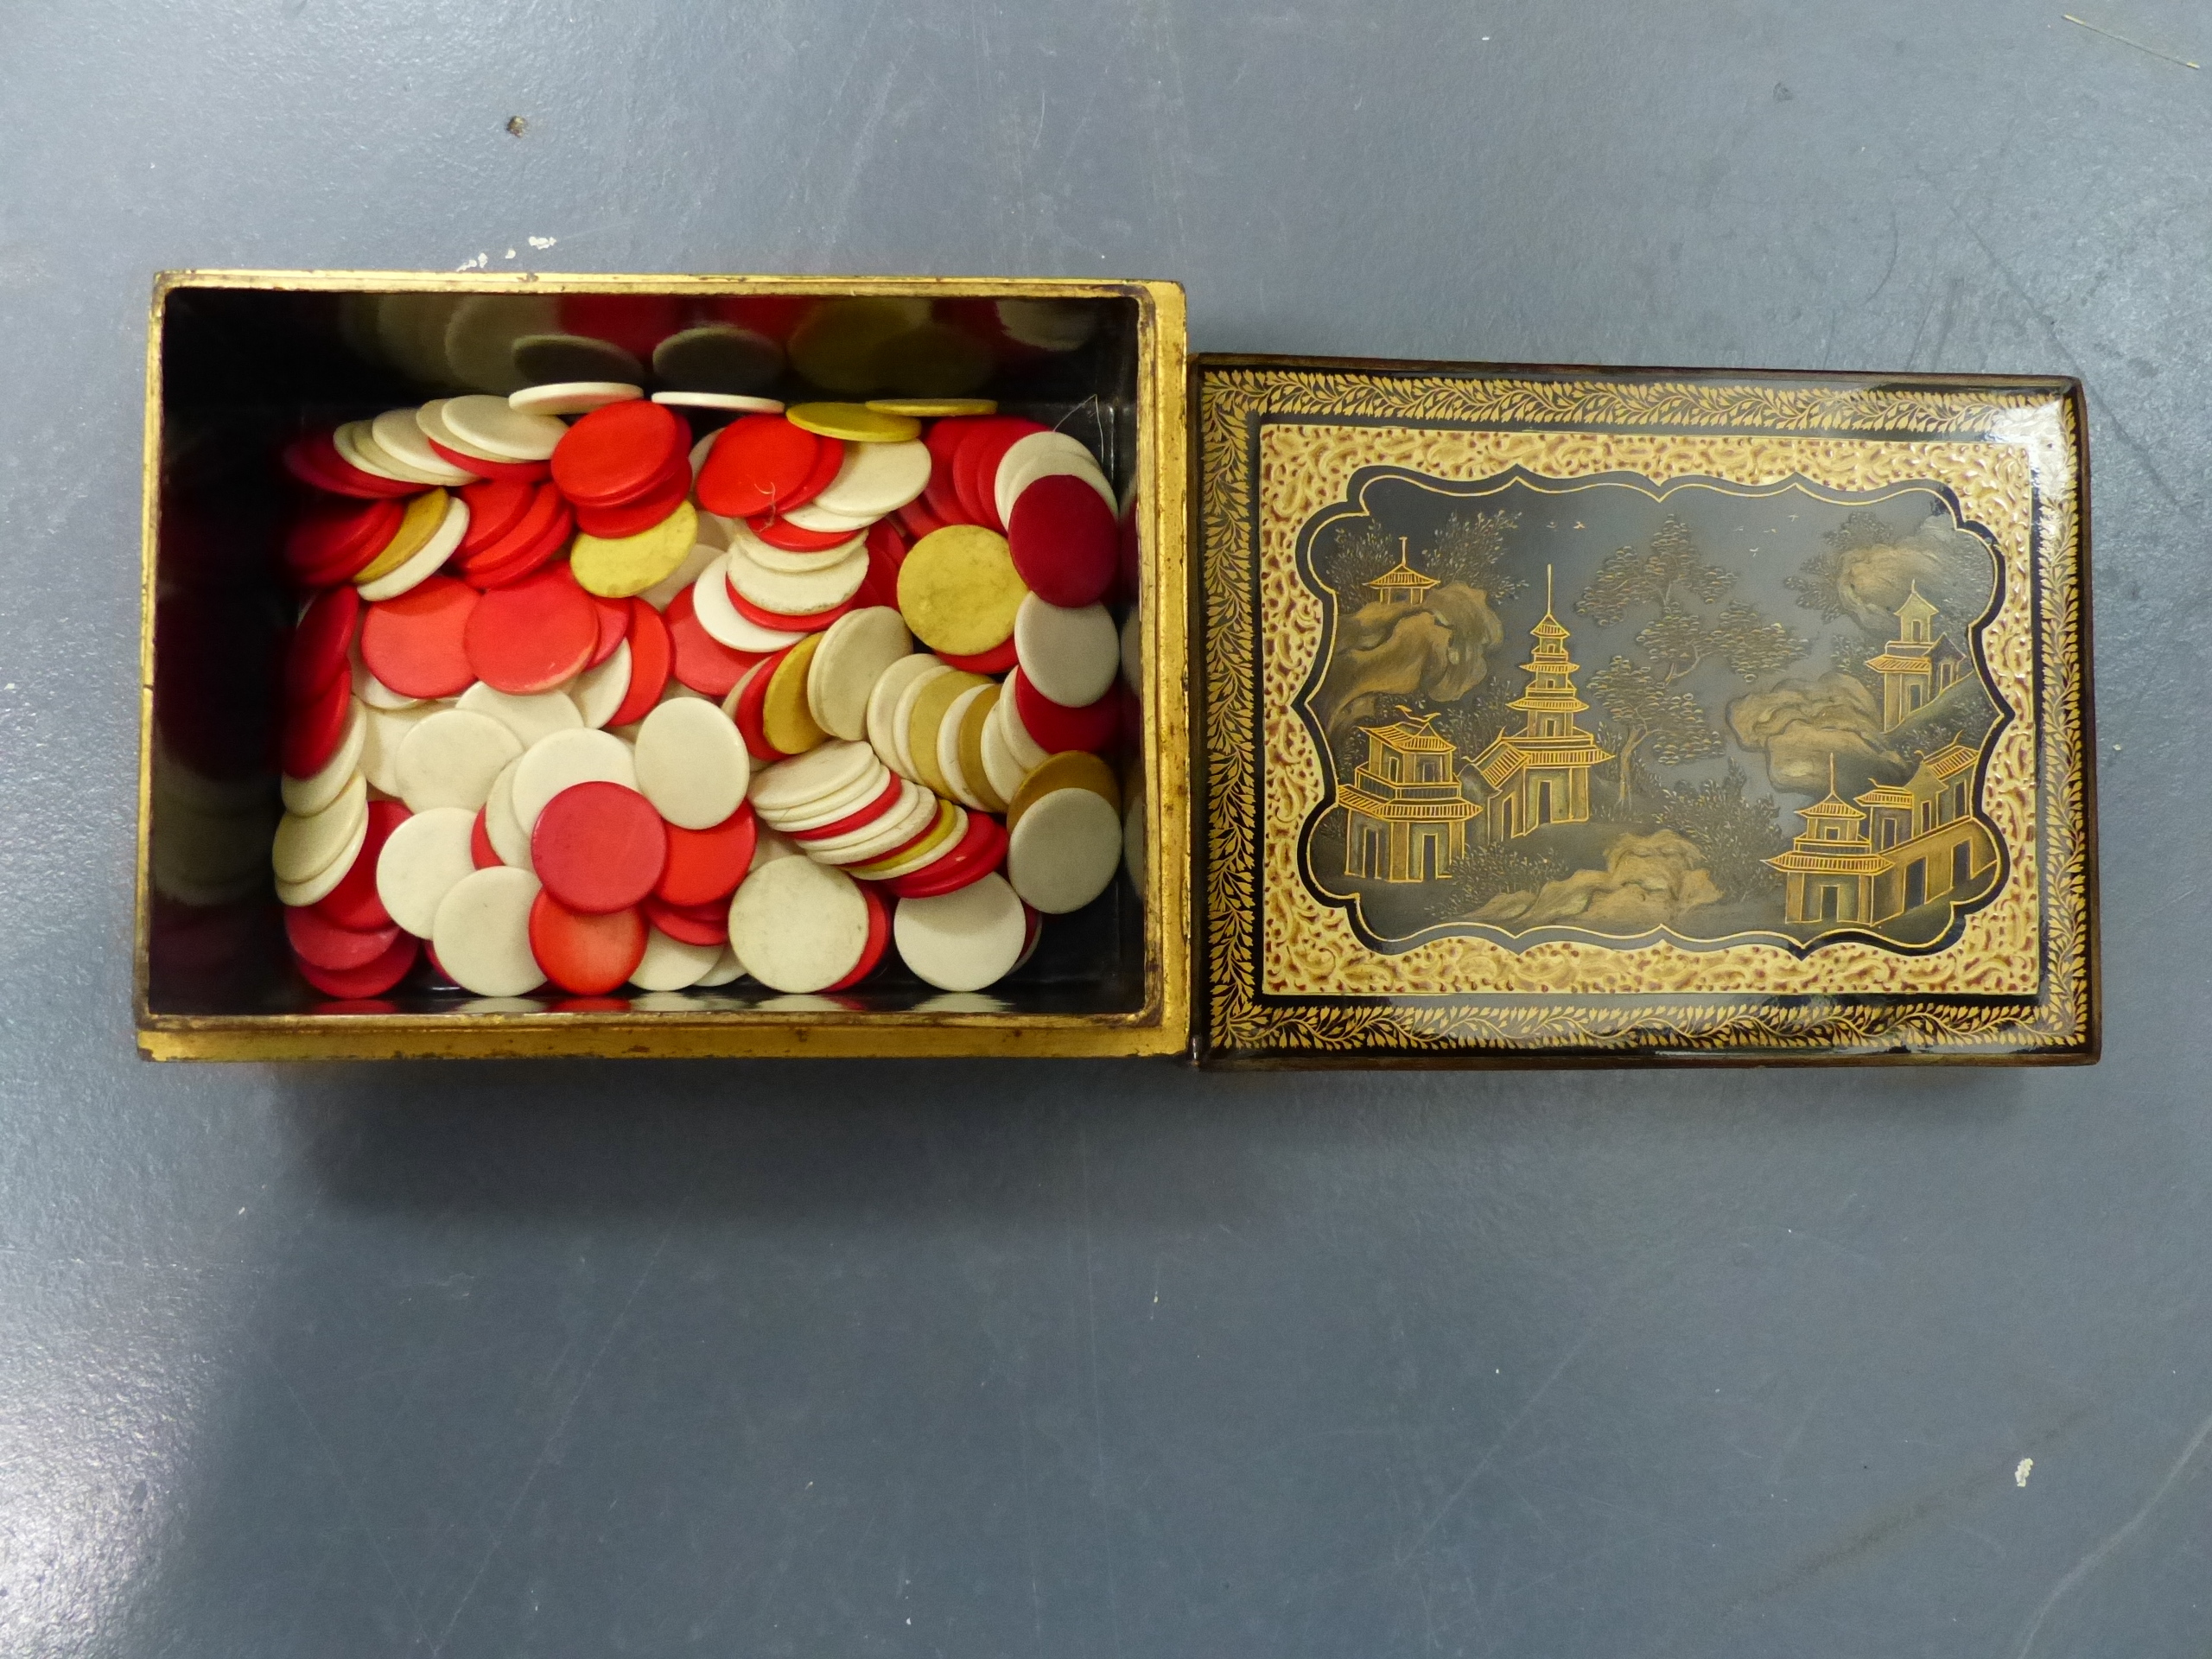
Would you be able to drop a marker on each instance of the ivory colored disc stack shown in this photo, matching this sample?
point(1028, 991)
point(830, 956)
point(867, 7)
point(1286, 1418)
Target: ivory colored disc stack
point(581, 697)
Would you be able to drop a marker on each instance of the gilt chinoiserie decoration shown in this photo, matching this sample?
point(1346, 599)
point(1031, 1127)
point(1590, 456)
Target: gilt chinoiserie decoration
point(1590, 712)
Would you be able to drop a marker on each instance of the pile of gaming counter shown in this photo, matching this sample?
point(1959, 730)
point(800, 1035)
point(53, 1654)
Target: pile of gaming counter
point(576, 702)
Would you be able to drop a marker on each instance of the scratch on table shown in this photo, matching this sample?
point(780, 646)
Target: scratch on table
point(2115, 34)
point(2088, 1563)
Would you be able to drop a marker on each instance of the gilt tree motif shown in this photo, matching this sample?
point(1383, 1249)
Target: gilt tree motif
point(1695, 622)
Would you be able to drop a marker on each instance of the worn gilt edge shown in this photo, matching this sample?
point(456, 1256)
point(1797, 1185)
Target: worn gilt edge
point(1238, 1020)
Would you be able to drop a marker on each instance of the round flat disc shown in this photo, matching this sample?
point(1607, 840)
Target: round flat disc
point(932, 704)
point(308, 795)
point(399, 435)
point(1045, 455)
point(1064, 541)
point(451, 758)
point(958, 589)
point(931, 408)
point(534, 635)
point(785, 537)
point(428, 557)
point(739, 401)
point(798, 926)
point(877, 793)
point(853, 423)
point(598, 692)
point(354, 901)
point(651, 656)
point(975, 469)
point(708, 925)
point(1056, 728)
point(1073, 770)
point(876, 479)
point(981, 850)
point(793, 560)
point(883, 701)
point(314, 461)
point(691, 765)
point(315, 938)
point(481, 932)
point(314, 728)
point(1065, 849)
point(564, 761)
point(697, 660)
point(879, 940)
point(758, 463)
point(327, 880)
point(305, 847)
point(418, 522)
point(618, 453)
point(509, 842)
point(572, 397)
point(793, 786)
point(813, 516)
point(372, 979)
point(598, 846)
point(852, 656)
point(1069, 656)
point(355, 442)
point(413, 644)
point(320, 641)
point(784, 720)
point(1004, 772)
point(534, 542)
point(711, 603)
point(901, 726)
point(706, 865)
point(875, 789)
point(973, 722)
point(498, 427)
point(670, 964)
point(332, 540)
point(964, 940)
point(937, 838)
point(381, 743)
point(641, 513)
point(421, 859)
point(528, 718)
point(744, 705)
point(496, 505)
point(1024, 749)
point(788, 594)
point(631, 564)
point(916, 810)
point(949, 731)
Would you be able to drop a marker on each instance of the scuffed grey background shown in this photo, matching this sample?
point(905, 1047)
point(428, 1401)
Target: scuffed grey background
point(1115, 1360)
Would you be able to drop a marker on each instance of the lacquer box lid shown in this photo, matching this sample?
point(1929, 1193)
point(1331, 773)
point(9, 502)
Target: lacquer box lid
point(1605, 714)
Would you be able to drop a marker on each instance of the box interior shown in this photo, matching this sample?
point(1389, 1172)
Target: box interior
point(246, 369)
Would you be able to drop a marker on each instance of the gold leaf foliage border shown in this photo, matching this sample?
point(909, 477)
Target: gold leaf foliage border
point(1230, 397)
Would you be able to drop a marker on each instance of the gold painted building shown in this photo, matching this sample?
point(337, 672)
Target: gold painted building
point(1919, 665)
point(1401, 584)
point(1406, 817)
point(1921, 843)
point(1541, 774)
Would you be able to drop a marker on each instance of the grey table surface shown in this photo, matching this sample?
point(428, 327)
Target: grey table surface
point(1115, 1359)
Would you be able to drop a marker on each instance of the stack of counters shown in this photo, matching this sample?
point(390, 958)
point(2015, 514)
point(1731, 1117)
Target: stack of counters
point(893, 634)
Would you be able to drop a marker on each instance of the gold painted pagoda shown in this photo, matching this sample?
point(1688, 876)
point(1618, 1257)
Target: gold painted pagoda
point(1541, 774)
